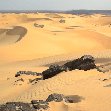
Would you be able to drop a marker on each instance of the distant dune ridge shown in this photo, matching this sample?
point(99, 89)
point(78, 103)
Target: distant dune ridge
point(25, 47)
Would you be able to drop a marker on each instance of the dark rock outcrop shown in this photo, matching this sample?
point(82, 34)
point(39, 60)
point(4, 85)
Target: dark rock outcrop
point(52, 71)
point(40, 104)
point(16, 106)
point(27, 73)
point(39, 26)
point(55, 97)
point(85, 63)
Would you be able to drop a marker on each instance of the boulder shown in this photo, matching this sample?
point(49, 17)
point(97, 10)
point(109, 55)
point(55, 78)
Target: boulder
point(55, 97)
point(17, 74)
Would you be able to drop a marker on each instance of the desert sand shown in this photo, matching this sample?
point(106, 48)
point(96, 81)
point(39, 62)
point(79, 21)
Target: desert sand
point(24, 46)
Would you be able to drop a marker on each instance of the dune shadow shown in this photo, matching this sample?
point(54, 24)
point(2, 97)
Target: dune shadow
point(35, 19)
point(17, 30)
point(75, 26)
point(73, 99)
point(69, 28)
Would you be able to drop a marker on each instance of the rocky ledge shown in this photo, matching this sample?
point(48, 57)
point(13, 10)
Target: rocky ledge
point(35, 105)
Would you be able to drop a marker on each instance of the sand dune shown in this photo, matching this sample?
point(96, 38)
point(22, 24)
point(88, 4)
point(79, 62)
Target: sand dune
point(26, 47)
point(8, 36)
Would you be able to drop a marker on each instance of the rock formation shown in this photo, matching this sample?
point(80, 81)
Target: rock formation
point(39, 26)
point(62, 21)
point(85, 63)
point(39, 104)
point(16, 106)
point(55, 97)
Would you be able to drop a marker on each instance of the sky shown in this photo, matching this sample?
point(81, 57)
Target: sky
point(54, 4)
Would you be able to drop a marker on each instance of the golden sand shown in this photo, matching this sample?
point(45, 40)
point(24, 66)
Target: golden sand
point(54, 43)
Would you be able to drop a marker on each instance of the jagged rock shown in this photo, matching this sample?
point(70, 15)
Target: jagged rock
point(16, 106)
point(62, 21)
point(40, 104)
point(52, 71)
point(17, 74)
point(85, 63)
point(55, 97)
point(72, 99)
point(27, 73)
point(39, 26)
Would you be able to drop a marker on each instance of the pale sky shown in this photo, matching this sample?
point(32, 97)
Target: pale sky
point(54, 4)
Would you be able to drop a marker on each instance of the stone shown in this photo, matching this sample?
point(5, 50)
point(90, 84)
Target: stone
point(55, 97)
point(40, 104)
point(85, 63)
point(51, 72)
point(16, 106)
